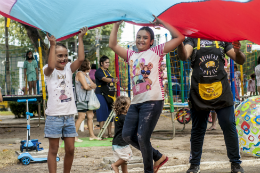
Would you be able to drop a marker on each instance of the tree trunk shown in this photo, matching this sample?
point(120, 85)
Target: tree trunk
point(7, 62)
point(34, 35)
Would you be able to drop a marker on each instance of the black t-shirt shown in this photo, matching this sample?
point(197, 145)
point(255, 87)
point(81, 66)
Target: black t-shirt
point(224, 46)
point(119, 123)
point(99, 74)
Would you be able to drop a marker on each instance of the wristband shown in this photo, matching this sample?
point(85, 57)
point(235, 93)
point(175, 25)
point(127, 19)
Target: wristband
point(112, 79)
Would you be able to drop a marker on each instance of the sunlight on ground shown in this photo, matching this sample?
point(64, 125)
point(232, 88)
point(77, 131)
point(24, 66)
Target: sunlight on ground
point(6, 113)
point(7, 157)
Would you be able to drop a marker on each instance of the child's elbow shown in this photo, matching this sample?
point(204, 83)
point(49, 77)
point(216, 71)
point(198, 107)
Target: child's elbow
point(110, 45)
point(182, 38)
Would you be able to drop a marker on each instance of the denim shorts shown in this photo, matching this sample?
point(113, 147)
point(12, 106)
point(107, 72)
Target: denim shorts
point(60, 126)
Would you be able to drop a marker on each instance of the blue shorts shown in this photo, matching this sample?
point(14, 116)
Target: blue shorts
point(60, 126)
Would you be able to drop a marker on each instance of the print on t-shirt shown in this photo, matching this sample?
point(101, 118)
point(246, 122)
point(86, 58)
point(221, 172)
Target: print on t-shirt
point(62, 88)
point(209, 65)
point(140, 71)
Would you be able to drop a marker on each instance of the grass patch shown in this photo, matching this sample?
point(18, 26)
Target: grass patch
point(6, 113)
point(7, 157)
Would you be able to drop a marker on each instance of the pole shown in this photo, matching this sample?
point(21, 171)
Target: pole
point(169, 77)
point(42, 78)
point(255, 66)
point(7, 63)
point(26, 85)
point(242, 79)
point(232, 79)
point(129, 80)
point(134, 32)
point(37, 82)
point(182, 86)
point(117, 75)
point(97, 44)
point(76, 46)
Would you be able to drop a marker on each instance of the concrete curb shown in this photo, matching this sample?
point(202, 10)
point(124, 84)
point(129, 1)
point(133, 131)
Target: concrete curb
point(203, 166)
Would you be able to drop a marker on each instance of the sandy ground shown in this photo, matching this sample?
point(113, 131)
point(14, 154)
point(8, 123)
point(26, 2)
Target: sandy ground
point(89, 159)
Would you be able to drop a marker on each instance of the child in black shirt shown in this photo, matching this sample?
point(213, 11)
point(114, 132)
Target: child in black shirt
point(121, 149)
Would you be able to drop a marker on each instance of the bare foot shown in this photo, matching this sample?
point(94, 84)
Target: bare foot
point(158, 162)
point(115, 168)
point(212, 128)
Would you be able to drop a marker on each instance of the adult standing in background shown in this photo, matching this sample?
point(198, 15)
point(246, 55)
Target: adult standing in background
point(104, 79)
point(84, 85)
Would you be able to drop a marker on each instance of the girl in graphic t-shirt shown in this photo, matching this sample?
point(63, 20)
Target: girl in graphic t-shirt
point(61, 104)
point(148, 91)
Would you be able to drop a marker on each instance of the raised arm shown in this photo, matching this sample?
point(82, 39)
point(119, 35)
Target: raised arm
point(51, 59)
point(81, 54)
point(177, 37)
point(184, 52)
point(235, 53)
point(120, 51)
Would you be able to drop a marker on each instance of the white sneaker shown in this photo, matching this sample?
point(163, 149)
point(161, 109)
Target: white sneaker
point(78, 140)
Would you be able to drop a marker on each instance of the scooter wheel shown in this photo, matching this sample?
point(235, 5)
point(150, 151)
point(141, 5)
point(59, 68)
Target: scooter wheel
point(25, 160)
point(57, 159)
point(183, 115)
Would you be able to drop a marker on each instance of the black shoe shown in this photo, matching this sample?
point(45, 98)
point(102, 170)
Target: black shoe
point(194, 169)
point(236, 168)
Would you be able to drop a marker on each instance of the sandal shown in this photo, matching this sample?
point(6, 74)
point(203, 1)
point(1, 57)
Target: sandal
point(95, 139)
point(160, 165)
point(210, 129)
point(110, 136)
point(78, 140)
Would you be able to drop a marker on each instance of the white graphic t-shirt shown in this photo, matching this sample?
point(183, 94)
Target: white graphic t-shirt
point(60, 92)
point(145, 74)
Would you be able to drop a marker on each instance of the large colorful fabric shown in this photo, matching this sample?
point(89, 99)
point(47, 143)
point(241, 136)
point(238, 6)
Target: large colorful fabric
point(248, 125)
point(226, 20)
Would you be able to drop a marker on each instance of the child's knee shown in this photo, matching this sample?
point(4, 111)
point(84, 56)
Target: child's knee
point(70, 150)
point(54, 149)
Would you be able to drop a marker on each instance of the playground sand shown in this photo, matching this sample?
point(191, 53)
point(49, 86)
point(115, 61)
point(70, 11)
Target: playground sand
point(88, 159)
point(7, 158)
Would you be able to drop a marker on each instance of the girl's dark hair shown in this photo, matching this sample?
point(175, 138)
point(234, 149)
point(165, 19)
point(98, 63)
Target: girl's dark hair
point(103, 59)
point(61, 45)
point(85, 65)
point(121, 105)
point(93, 66)
point(26, 55)
point(148, 29)
point(57, 45)
point(252, 75)
point(258, 60)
